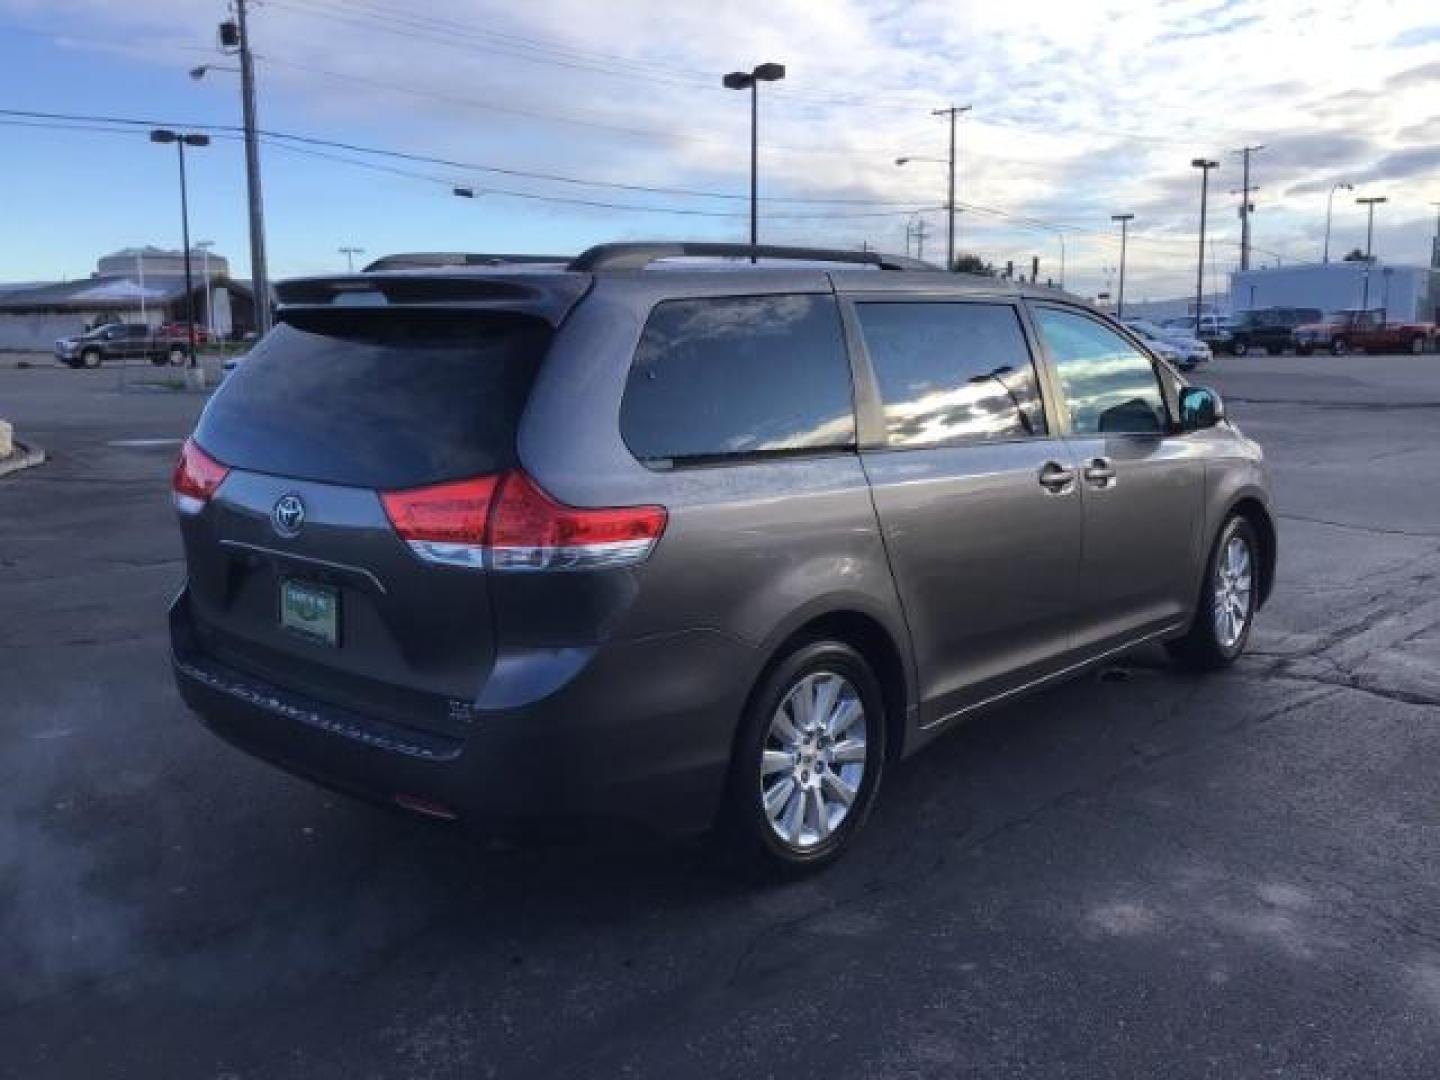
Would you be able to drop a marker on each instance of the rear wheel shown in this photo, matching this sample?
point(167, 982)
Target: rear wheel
point(1338, 347)
point(1226, 606)
point(808, 760)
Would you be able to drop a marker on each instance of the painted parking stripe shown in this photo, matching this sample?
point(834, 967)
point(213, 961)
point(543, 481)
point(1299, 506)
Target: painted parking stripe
point(142, 443)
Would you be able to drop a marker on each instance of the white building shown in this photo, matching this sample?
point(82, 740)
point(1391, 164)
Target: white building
point(1407, 293)
point(160, 262)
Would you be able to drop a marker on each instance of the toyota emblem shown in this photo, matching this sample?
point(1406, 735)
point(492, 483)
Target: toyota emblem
point(288, 515)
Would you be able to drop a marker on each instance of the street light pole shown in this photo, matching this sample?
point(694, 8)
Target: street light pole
point(1124, 220)
point(952, 112)
point(189, 138)
point(1204, 165)
point(1330, 206)
point(1369, 202)
point(751, 80)
point(350, 253)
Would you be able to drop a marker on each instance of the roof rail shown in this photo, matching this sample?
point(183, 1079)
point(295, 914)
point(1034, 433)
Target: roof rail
point(417, 260)
point(637, 256)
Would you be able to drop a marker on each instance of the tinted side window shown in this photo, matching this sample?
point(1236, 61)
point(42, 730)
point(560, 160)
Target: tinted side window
point(1109, 385)
point(738, 375)
point(951, 371)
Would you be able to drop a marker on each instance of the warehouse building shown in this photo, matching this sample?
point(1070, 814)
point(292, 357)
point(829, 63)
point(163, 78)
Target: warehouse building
point(1407, 293)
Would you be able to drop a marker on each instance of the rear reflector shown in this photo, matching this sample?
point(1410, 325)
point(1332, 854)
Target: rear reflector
point(197, 476)
point(509, 523)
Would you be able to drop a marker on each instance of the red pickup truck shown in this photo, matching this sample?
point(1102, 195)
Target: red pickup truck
point(1364, 330)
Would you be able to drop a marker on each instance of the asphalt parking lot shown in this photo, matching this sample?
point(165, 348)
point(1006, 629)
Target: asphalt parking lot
point(1142, 873)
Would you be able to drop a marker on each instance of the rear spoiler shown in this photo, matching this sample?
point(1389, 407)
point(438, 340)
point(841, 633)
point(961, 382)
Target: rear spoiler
point(548, 296)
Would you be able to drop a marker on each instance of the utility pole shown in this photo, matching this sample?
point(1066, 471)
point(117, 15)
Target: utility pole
point(1245, 207)
point(350, 253)
point(1124, 220)
point(1204, 166)
point(917, 229)
point(236, 36)
point(953, 112)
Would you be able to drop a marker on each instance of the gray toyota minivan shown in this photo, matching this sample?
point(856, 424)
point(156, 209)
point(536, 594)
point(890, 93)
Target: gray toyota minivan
point(662, 536)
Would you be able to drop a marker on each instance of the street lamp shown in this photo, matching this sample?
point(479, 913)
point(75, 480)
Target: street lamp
point(751, 80)
point(1204, 165)
point(1369, 202)
point(189, 138)
point(1124, 220)
point(1329, 206)
point(350, 253)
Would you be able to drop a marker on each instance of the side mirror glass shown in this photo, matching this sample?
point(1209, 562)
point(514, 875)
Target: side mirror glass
point(1200, 407)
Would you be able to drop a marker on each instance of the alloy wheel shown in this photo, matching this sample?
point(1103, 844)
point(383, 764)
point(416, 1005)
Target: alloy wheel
point(813, 760)
point(1233, 591)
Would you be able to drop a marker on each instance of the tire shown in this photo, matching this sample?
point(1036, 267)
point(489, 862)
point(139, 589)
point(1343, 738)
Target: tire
point(1338, 347)
point(177, 356)
point(90, 358)
point(1213, 641)
point(1417, 345)
point(1239, 348)
point(817, 672)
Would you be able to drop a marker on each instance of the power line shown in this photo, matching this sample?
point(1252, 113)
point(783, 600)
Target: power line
point(309, 144)
point(427, 159)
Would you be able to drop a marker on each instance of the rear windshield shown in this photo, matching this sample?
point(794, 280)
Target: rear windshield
point(378, 398)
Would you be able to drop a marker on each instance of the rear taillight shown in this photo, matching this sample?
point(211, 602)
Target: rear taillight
point(197, 476)
point(444, 523)
point(508, 523)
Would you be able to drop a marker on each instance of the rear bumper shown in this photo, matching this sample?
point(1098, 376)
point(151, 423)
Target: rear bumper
point(641, 736)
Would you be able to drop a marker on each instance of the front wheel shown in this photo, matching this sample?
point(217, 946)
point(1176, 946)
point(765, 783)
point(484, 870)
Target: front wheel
point(1338, 347)
point(808, 760)
point(1228, 597)
point(90, 358)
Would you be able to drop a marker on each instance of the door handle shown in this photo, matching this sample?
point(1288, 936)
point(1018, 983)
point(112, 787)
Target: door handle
point(1100, 473)
point(1056, 478)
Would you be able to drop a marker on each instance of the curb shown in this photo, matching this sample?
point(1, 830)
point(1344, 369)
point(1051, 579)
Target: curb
point(25, 456)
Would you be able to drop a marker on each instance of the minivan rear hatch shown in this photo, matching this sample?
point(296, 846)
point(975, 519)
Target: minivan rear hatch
point(296, 573)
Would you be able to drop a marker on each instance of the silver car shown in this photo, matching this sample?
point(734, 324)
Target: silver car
point(689, 547)
point(1180, 347)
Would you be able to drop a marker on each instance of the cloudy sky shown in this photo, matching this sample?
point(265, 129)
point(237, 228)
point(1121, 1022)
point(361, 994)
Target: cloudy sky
point(548, 108)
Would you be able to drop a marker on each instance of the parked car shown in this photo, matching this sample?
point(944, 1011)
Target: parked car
point(179, 331)
point(1214, 330)
point(626, 540)
point(1271, 329)
point(1188, 350)
point(119, 341)
point(1364, 330)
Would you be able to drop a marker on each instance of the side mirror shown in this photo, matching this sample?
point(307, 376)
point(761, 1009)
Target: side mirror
point(1200, 407)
